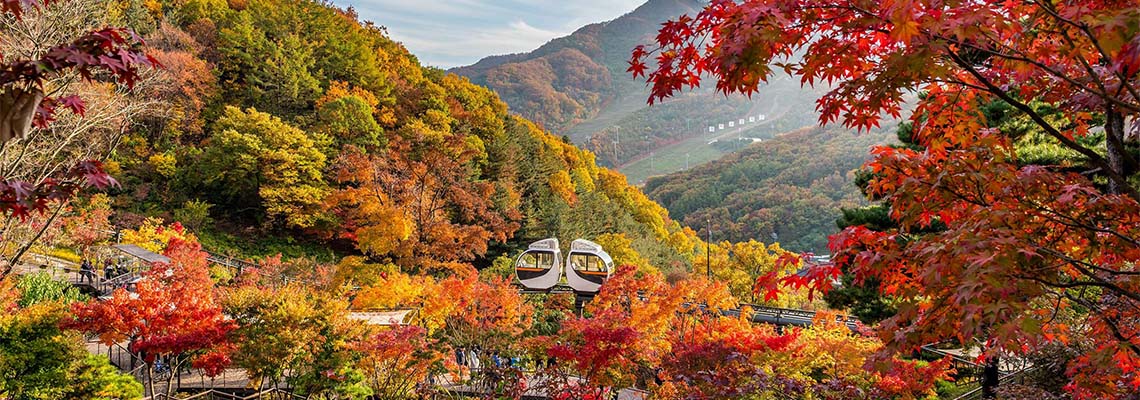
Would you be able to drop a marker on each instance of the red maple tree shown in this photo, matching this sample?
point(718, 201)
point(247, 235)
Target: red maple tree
point(172, 314)
point(115, 52)
point(1023, 245)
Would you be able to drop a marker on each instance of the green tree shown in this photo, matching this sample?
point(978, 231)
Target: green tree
point(257, 160)
point(35, 354)
point(94, 378)
point(297, 335)
point(40, 288)
point(348, 120)
point(39, 360)
point(263, 69)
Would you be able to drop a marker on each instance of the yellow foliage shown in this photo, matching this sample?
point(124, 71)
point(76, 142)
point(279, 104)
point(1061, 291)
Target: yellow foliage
point(253, 150)
point(154, 7)
point(648, 303)
point(383, 227)
point(394, 289)
point(831, 350)
point(357, 271)
point(153, 235)
point(619, 247)
point(582, 179)
point(338, 90)
point(112, 167)
point(684, 241)
point(438, 120)
point(66, 254)
point(478, 147)
point(284, 200)
point(739, 264)
point(562, 187)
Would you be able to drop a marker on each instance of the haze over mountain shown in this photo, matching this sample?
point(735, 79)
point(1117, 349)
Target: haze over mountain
point(789, 189)
point(578, 86)
point(476, 28)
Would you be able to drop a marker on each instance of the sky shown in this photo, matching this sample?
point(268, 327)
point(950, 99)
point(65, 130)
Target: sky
point(451, 33)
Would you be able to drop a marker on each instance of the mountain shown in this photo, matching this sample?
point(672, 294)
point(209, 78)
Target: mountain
point(578, 86)
point(789, 189)
point(291, 126)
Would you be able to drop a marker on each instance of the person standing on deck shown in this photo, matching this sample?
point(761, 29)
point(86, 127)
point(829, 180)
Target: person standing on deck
point(86, 271)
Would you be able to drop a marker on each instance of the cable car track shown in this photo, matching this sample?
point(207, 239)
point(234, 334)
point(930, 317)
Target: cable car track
point(539, 270)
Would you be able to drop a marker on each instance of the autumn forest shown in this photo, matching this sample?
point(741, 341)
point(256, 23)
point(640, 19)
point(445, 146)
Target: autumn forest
point(239, 199)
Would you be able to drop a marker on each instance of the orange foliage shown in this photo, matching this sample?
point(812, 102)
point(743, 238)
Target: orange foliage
point(173, 310)
point(415, 206)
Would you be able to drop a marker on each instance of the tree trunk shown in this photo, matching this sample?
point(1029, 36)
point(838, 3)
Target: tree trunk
point(20, 253)
point(172, 367)
point(1118, 159)
point(990, 377)
point(150, 378)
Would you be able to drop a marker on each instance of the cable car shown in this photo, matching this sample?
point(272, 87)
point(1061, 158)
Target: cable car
point(540, 266)
point(587, 266)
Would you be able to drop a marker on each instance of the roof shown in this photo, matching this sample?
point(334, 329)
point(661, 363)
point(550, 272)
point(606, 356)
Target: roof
point(387, 318)
point(141, 253)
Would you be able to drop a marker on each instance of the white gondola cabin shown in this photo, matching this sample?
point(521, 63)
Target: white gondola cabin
point(540, 266)
point(587, 266)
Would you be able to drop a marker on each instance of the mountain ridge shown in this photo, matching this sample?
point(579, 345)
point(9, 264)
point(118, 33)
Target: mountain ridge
point(577, 86)
point(593, 54)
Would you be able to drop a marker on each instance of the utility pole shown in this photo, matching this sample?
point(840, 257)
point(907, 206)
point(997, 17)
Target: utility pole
point(708, 249)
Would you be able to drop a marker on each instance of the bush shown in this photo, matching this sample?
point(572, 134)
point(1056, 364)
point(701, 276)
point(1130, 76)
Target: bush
point(42, 288)
point(194, 213)
point(503, 267)
point(95, 378)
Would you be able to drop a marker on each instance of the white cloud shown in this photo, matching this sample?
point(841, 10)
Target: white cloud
point(448, 33)
point(523, 28)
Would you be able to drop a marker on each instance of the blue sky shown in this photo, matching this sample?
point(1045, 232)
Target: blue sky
point(449, 33)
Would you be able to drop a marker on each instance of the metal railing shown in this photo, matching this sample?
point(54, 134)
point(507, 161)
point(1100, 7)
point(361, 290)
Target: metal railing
point(215, 394)
point(1017, 376)
point(968, 371)
point(236, 265)
point(760, 313)
point(63, 271)
point(791, 316)
point(122, 358)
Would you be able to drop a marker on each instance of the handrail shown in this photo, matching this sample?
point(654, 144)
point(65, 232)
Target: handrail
point(781, 312)
point(214, 393)
point(238, 265)
point(956, 358)
point(976, 393)
point(1008, 368)
point(102, 285)
point(227, 261)
point(123, 350)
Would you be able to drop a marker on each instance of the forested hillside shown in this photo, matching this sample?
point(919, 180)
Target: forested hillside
point(781, 190)
point(293, 122)
point(578, 86)
point(339, 177)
